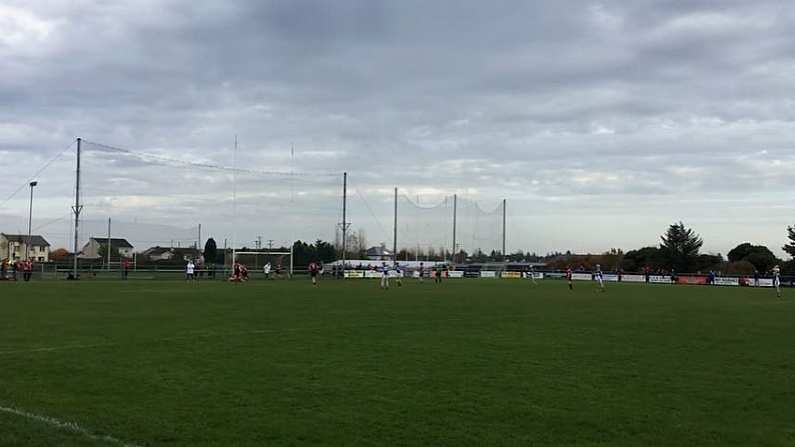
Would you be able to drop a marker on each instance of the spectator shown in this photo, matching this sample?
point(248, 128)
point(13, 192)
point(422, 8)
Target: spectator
point(27, 267)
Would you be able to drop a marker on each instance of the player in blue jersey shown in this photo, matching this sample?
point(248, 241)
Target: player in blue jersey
point(384, 276)
point(599, 277)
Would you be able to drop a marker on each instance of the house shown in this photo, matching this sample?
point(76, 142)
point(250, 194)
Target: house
point(379, 253)
point(156, 254)
point(91, 249)
point(12, 246)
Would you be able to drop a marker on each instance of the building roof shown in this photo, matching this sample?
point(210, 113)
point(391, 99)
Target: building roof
point(156, 251)
point(35, 239)
point(378, 251)
point(114, 242)
point(176, 251)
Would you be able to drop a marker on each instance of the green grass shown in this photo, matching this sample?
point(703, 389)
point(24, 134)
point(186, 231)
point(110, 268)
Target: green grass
point(470, 362)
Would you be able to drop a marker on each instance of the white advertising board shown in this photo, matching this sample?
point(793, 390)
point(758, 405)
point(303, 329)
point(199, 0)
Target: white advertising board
point(633, 278)
point(488, 274)
point(765, 282)
point(723, 281)
point(660, 279)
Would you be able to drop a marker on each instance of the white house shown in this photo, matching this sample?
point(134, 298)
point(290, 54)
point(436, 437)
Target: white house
point(155, 254)
point(379, 253)
point(12, 246)
point(91, 249)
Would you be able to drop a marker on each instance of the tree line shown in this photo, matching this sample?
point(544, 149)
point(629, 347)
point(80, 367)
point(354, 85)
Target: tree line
point(679, 250)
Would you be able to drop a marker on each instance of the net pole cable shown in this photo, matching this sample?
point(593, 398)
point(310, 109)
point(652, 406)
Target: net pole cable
point(450, 229)
point(153, 196)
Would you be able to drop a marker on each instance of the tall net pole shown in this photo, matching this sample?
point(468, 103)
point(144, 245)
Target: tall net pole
point(395, 229)
point(234, 205)
point(109, 245)
point(344, 219)
point(455, 212)
point(504, 202)
point(77, 208)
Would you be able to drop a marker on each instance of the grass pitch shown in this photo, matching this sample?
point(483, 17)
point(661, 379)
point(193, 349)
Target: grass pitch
point(470, 362)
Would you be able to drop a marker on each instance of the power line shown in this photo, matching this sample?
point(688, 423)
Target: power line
point(148, 158)
point(36, 174)
point(367, 205)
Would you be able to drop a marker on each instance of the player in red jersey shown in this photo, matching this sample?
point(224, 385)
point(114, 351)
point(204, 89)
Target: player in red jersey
point(569, 278)
point(314, 270)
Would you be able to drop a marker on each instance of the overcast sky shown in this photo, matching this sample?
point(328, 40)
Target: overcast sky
point(600, 122)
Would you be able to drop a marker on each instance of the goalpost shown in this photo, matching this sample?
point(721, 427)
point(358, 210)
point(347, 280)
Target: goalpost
point(269, 255)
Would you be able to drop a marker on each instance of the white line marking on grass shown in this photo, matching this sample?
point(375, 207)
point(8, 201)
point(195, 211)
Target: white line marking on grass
point(66, 426)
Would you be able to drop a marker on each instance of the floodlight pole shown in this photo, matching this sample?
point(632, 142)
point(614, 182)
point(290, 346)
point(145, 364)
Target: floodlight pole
point(77, 208)
point(455, 212)
point(394, 235)
point(30, 221)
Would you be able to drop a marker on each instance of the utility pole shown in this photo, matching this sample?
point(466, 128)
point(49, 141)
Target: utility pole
point(344, 223)
point(455, 212)
point(109, 246)
point(394, 235)
point(77, 208)
point(199, 242)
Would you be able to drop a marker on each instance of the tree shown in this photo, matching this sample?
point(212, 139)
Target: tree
point(613, 259)
point(637, 260)
point(740, 252)
point(760, 256)
point(210, 251)
point(790, 247)
point(60, 254)
point(707, 262)
point(679, 247)
point(742, 267)
point(325, 251)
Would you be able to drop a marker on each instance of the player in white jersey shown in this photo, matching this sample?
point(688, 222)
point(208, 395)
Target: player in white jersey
point(599, 277)
point(384, 276)
point(532, 274)
point(266, 269)
point(190, 270)
point(776, 271)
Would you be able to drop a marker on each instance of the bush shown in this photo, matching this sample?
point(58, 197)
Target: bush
point(740, 268)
